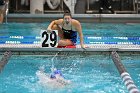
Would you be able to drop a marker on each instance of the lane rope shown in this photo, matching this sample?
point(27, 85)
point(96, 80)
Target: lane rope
point(129, 83)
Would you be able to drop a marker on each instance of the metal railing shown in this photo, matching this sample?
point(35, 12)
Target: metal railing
point(6, 11)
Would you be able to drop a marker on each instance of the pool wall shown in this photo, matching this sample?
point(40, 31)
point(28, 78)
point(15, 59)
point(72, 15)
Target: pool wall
point(125, 18)
point(67, 51)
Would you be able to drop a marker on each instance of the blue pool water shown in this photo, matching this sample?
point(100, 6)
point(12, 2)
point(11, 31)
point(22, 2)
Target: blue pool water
point(87, 73)
point(95, 29)
point(102, 32)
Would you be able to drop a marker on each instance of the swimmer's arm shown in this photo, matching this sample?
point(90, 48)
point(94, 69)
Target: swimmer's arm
point(51, 24)
point(55, 22)
point(79, 29)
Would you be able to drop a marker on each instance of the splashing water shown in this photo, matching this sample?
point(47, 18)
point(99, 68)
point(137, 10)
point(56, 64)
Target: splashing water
point(46, 81)
point(52, 60)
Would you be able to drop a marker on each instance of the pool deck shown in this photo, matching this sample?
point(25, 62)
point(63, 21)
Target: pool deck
point(124, 18)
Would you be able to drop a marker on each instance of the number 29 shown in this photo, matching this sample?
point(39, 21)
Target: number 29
point(49, 39)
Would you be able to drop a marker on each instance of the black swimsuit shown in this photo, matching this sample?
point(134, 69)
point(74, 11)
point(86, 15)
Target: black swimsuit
point(70, 34)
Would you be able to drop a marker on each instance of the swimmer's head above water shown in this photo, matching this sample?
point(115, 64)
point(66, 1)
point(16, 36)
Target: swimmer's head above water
point(56, 72)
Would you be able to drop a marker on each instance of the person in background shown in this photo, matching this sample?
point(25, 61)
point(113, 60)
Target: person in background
point(67, 30)
point(2, 9)
point(105, 4)
point(1, 17)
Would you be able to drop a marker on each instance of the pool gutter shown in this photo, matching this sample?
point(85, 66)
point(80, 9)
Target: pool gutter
point(90, 47)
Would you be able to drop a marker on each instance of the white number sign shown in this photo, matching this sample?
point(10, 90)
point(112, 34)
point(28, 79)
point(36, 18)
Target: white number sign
point(48, 39)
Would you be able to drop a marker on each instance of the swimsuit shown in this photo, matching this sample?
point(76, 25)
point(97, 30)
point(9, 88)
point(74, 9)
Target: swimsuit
point(70, 34)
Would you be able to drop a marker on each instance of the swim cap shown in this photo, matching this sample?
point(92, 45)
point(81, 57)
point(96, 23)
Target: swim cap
point(52, 76)
point(56, 72)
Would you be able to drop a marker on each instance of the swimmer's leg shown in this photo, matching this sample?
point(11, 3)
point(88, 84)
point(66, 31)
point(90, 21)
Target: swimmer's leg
point(65, 42)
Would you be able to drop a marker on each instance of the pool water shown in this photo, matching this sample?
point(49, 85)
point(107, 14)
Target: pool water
point(132, 64)
point(102, 32)
point(87, 73)
point(95, 29)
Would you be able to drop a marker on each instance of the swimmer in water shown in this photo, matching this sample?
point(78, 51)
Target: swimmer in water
point(55, 80)
point(58, 76)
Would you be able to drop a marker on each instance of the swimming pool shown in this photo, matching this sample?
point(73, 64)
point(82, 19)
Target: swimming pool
point(87, 73)
point(97, 33)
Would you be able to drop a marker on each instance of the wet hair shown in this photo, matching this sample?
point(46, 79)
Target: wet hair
point(67, 13)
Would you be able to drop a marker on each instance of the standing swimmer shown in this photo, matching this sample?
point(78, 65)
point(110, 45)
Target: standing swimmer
point(67, 30)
